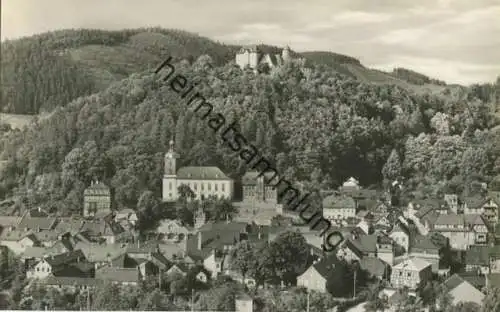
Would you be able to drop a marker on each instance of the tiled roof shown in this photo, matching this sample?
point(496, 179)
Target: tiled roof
point(34, 252)
point(71, 281)
point(325, 266)
point(493, 280)
point(474, 219)
point(69, 225)
point(33, 223)
point(97, 189)
point(65, 258)
point(474, 202)
point(38, 213)
point(424, 243)
point(14, 235)
point(47, 236)
point(117, 274)
point(339, 202)
point(373, 265)
point(453, 281)
point(414, 264)
point(450, 219)
point(250, 177)
point(478, 281)
point(201, 173)
point(100, 253)
point(6, 221)
point(477, 255)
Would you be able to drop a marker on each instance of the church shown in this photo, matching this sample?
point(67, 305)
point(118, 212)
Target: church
point(203, 181)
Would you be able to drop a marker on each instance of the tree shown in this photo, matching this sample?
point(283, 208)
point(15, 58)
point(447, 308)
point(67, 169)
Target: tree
point(491, 301)
point(289, 253)
point(145, 206)
point(392, 168)
point(243, 257)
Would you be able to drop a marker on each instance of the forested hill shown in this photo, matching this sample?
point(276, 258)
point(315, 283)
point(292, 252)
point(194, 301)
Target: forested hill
point(49, 70)
point(318, 126)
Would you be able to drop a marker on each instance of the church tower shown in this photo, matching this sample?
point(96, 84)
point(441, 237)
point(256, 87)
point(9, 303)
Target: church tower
point(169, 187)
point(200, 218)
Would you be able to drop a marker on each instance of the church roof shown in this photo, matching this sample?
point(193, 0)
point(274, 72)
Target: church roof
point(201, 173)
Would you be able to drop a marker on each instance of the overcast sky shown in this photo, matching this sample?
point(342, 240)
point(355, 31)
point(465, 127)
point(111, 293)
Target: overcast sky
point(454, 40)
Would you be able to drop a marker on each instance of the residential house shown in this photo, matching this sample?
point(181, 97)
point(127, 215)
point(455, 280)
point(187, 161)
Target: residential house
point(8, 223)
point(452, 201)
point(177, 269)
point(103, 231)
point(411, 273)
point(71, 284)
point(316, 276)
point(98, 254)
point(400, 233)
point(71, 264)
point(145, 266)
point(339, 207)
point(486, 206)
point(356, 249)
point(385, 249)
point(121, 276)
point(477, 259)
point(96, 200)
point(494, 255)
point(48, 238)
point(461, 230)
point(127, 218)
point(478, 281)
point(37, 224)
point(173, 230)
point(462, 291)
point(424, 249)
point(18, 240)
point(375, 267)
point(69, 226)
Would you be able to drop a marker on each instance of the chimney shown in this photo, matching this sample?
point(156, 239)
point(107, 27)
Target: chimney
point(199, 240)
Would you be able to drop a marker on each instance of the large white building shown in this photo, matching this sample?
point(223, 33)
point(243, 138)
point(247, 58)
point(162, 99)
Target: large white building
point(203, 181)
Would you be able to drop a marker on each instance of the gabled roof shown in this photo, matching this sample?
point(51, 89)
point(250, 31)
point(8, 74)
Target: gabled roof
point(71, 281)
point(414, 264)
point(100, 253)
point(14, 235)
point(325, 266)
point(123, 275)
point(450, 219)
point(69, 225)
point(453, 281)
point(373, 265)
point(97, 189)
point(201, 173)
point(34, 223)
point(424, 244)
point(7, 221)
point(47, 236)
point(250, 177)
point(339, 202)
point(65, 258)
point(474, 202)
point(477, 255)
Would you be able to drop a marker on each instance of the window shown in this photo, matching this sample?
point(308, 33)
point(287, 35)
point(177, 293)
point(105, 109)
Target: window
point(223, 187)
point(209, 186)
point(195, 186)
point(169, 185)
point(409, 274)
point(169, 194)
point(400, 273)
point(202, 186)
point(215, 187)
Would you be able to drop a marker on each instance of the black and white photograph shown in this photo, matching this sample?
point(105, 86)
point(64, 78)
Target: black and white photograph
point(250, 155)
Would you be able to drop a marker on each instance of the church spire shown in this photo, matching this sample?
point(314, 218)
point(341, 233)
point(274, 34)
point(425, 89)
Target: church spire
point(171, 145)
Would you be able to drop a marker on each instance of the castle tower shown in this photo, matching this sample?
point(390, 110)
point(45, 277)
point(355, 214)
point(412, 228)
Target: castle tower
point(169, 187)
point(286, 54)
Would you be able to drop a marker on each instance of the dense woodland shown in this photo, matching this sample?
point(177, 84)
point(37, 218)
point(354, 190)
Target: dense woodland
point(319, 126)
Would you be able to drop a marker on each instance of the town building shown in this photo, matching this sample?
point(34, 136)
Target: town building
point(462, 291)
point(339, 207)
point(204, 182)
point(96, 200)
point(411, 273)
point(316, 276)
